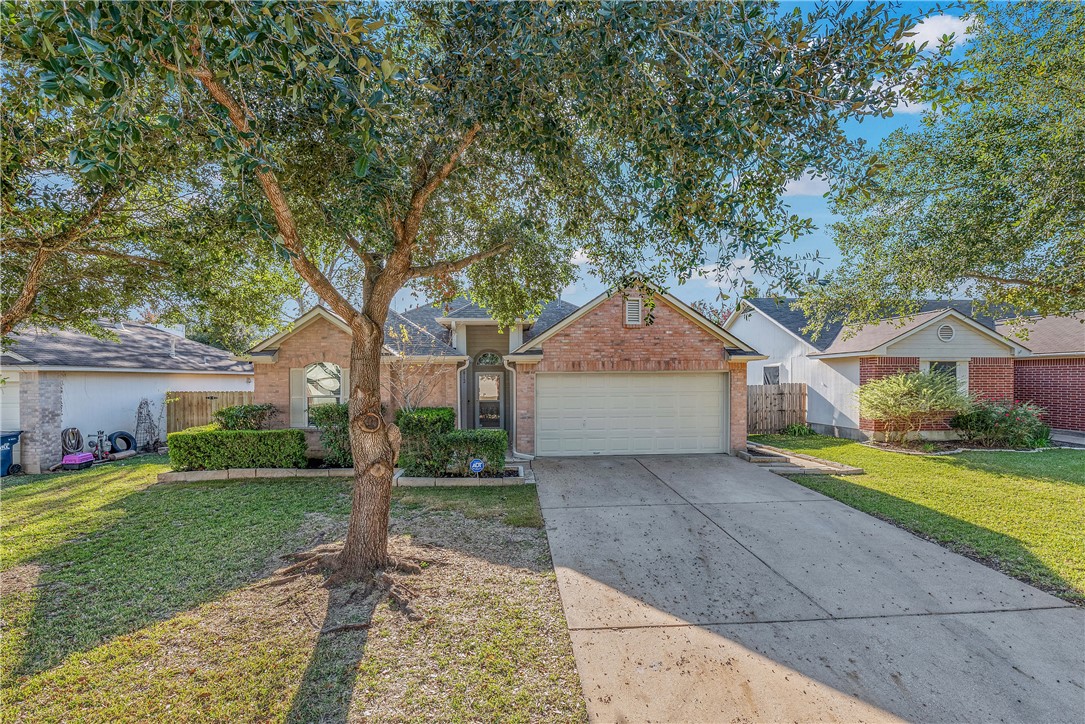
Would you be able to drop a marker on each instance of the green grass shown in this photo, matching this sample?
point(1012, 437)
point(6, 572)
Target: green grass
point(124, 600)
point(1022, 513)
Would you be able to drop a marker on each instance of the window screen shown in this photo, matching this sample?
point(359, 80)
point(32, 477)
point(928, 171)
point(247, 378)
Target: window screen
point(772, 375)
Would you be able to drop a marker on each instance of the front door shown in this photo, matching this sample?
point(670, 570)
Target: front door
point(489, 405)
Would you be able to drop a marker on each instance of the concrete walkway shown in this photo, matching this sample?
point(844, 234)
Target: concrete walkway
point(702, 588)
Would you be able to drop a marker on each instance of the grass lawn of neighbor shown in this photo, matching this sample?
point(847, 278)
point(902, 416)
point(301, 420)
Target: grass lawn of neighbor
point(1021, 513)
point(122, 600)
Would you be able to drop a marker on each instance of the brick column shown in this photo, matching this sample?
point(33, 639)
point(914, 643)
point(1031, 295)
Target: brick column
point(737, 412)
point(41, 409)
point(525, 408)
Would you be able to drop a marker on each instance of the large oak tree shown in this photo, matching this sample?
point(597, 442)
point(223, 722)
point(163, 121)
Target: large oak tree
point(988, 196)
point(453, 144)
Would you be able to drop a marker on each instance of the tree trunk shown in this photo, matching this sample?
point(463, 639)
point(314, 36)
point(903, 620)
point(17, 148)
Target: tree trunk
point(374, 445)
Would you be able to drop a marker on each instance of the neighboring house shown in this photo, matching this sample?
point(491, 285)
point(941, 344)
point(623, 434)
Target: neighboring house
point(1053, 375)
point(945, 335)
point(592, 380)
point(55, 379)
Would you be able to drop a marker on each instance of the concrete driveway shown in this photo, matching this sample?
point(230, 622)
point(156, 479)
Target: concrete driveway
point(703, 588)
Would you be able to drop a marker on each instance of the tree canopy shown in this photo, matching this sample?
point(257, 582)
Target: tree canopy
point(445, 145)
point(96, 232)
point(989, 196)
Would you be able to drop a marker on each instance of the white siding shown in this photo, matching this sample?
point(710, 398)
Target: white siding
point(966, 343)
point(830, 384)
point(108, 400)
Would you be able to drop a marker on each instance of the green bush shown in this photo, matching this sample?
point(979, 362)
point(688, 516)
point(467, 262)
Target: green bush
point(906, 402)
point(797, 430)
point(424, 451)
point(489, 446)
point(245, 417)
point(333, 421)
point(211, 448)
point(1002, 424)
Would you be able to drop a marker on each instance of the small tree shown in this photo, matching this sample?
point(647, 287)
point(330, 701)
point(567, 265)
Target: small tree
point(411, 379)
point(907, 401)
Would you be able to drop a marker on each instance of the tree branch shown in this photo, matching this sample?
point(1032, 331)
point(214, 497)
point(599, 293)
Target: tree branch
point(273, 192)
point(453, 266)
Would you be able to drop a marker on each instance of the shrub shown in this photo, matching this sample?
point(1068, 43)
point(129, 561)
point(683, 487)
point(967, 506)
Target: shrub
point(906, 402)
point(489, 446)
point(1002, 424)
point(797, 430)
point(333, 421)
point(211, 448)
point(245, 417)
point(424, 450)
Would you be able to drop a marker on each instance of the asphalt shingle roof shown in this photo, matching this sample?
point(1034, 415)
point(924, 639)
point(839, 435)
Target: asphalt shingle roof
point(137, 346)
point(794, 320)
point(1049, 335)
point(426, 316)
point(405, 337)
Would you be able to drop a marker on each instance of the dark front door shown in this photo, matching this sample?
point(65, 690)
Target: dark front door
point(489, 399)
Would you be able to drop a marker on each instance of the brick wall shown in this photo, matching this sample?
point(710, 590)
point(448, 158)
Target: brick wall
point(1057, 385)
point(41, 411)
point(321, 341)
point(991, 378)
point(599, 341)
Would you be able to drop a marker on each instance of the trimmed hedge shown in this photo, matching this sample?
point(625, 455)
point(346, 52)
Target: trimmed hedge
point(489, 446)
point(334, 425)
point(211, 448)
point(424, 451)
point(245, 417)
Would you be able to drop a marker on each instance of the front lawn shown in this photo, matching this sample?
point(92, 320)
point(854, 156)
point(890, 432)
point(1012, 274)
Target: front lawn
point(1022, 513)
point(127, 601)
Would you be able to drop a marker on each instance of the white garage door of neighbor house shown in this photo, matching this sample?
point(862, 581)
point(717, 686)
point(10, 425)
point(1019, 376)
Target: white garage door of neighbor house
point(605, 413)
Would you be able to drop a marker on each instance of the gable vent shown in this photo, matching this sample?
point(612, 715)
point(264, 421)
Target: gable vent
point(945, 332)
point(633, 312)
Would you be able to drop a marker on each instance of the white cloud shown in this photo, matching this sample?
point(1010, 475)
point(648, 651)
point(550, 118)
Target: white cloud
point(932, 29)
point(808, 185)
point(579, 257)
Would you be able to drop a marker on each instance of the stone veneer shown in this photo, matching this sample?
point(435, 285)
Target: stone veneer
point(41, 411)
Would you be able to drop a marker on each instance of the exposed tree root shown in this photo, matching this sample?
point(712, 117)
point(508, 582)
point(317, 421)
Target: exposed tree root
point(344, 627)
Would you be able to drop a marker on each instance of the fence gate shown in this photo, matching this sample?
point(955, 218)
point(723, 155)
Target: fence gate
point(771, 408)
point(189, 409)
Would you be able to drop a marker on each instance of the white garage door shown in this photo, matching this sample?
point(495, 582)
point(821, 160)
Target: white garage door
point(607, 413)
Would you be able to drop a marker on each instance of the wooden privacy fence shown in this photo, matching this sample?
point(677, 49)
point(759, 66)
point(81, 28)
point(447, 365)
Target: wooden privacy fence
point(771, 408)
point(189, 409)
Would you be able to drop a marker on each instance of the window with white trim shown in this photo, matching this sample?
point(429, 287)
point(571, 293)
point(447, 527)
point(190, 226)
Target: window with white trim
point(958, 369)
point(634, 311)
point(323, 385)
point(771, 375)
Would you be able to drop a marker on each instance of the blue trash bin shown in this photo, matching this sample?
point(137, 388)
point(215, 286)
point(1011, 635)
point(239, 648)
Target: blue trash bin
point(8, 440)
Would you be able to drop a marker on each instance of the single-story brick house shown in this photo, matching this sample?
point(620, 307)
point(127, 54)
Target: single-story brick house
point(981, 351)
point(592, 380)
point(55, 379)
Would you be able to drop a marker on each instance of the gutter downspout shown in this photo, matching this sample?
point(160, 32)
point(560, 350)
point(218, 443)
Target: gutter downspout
point(512, 445)
point(459, 403)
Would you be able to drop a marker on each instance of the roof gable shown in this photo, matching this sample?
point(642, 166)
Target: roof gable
point(875, 338)
point(735, 344)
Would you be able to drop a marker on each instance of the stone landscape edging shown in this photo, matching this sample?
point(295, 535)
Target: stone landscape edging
point(198, 476)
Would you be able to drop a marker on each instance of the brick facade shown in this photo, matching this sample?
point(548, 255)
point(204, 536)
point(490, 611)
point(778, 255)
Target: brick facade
point(875, 368)
point(1057, 385)
point(991, 378)
point(322, 341)
point(599, 341)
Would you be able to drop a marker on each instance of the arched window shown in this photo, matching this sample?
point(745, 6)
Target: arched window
point(488, 359)
point(323, 385)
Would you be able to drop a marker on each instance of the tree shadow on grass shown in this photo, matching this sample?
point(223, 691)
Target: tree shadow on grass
point(169, 549)
point(996, 550)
